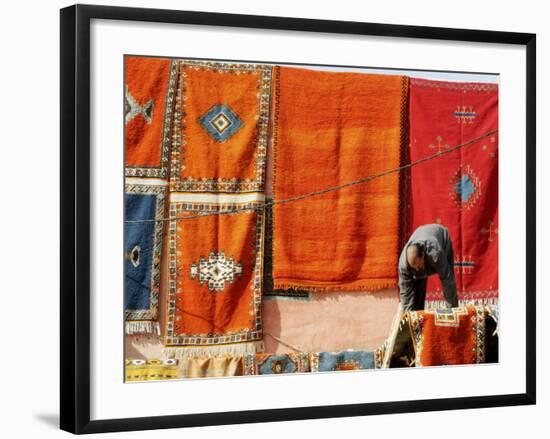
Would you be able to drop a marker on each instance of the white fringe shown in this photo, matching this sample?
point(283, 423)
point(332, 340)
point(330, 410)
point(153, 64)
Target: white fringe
point(142, 327)
point(436, 304)
point(289, 298)
point(234, 350)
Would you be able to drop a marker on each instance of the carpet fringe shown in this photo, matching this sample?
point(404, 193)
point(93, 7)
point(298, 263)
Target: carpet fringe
point(142, 327)
point(234, 350)
point(436, 304)
point(290, 298)
point(371, 286)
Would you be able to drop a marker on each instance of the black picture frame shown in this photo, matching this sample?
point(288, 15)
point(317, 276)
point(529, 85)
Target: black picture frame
point(75, 217)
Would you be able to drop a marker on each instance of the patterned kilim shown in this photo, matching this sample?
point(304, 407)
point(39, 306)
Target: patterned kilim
point(211, 367)
point(204, 367)
point(398, 349)
point(267, 364)
point(464, 335)
point(218, 156)
point(333, 128)
point(340, 361)
point(148, 103)
point(221, 127)
point(215, 265)
point(151, 370)
point(143, 246)
point(458, 190)
point(449, 336)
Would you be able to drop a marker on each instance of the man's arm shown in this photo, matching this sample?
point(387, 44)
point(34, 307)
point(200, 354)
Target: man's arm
point(447, 277)
point(406, 291)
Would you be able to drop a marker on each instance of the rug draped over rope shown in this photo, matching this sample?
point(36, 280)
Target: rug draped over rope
point(335, 128)
point(458, 190)
point(218, 165)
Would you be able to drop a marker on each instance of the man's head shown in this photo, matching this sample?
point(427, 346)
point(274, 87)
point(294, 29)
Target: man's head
point(415, 257)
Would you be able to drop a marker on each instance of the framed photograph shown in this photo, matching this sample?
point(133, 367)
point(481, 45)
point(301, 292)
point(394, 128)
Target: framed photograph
point(272, 218)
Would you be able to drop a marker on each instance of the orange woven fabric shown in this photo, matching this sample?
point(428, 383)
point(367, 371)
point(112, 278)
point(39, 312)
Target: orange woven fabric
point(330, 129)
point(147, 82)
point(221, 117)
point(449, 336)
point(214, 295)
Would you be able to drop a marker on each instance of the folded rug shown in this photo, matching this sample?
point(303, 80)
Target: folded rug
point(329, 129)
point(449, 336)
point(339, 361)
point(267, 364)
point(458, 190)
point(151, 370)
point(169, 369)
point(211, 367)
point(440, 337)
point(398, 349)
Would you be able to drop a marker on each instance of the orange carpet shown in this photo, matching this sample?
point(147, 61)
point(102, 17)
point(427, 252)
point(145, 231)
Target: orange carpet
point(449, 336)
point(214, 295)
point(222, 116)
point(150, 85)
point(330, 129)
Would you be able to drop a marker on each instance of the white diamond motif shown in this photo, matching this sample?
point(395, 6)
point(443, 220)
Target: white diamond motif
point(216, 271)
point(221, 123)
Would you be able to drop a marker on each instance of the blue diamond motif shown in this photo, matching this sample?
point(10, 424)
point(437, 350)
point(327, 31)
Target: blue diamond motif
point(465, 188)
point(220, 122)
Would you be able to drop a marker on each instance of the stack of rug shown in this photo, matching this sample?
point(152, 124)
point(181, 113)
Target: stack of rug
point(441, 337)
